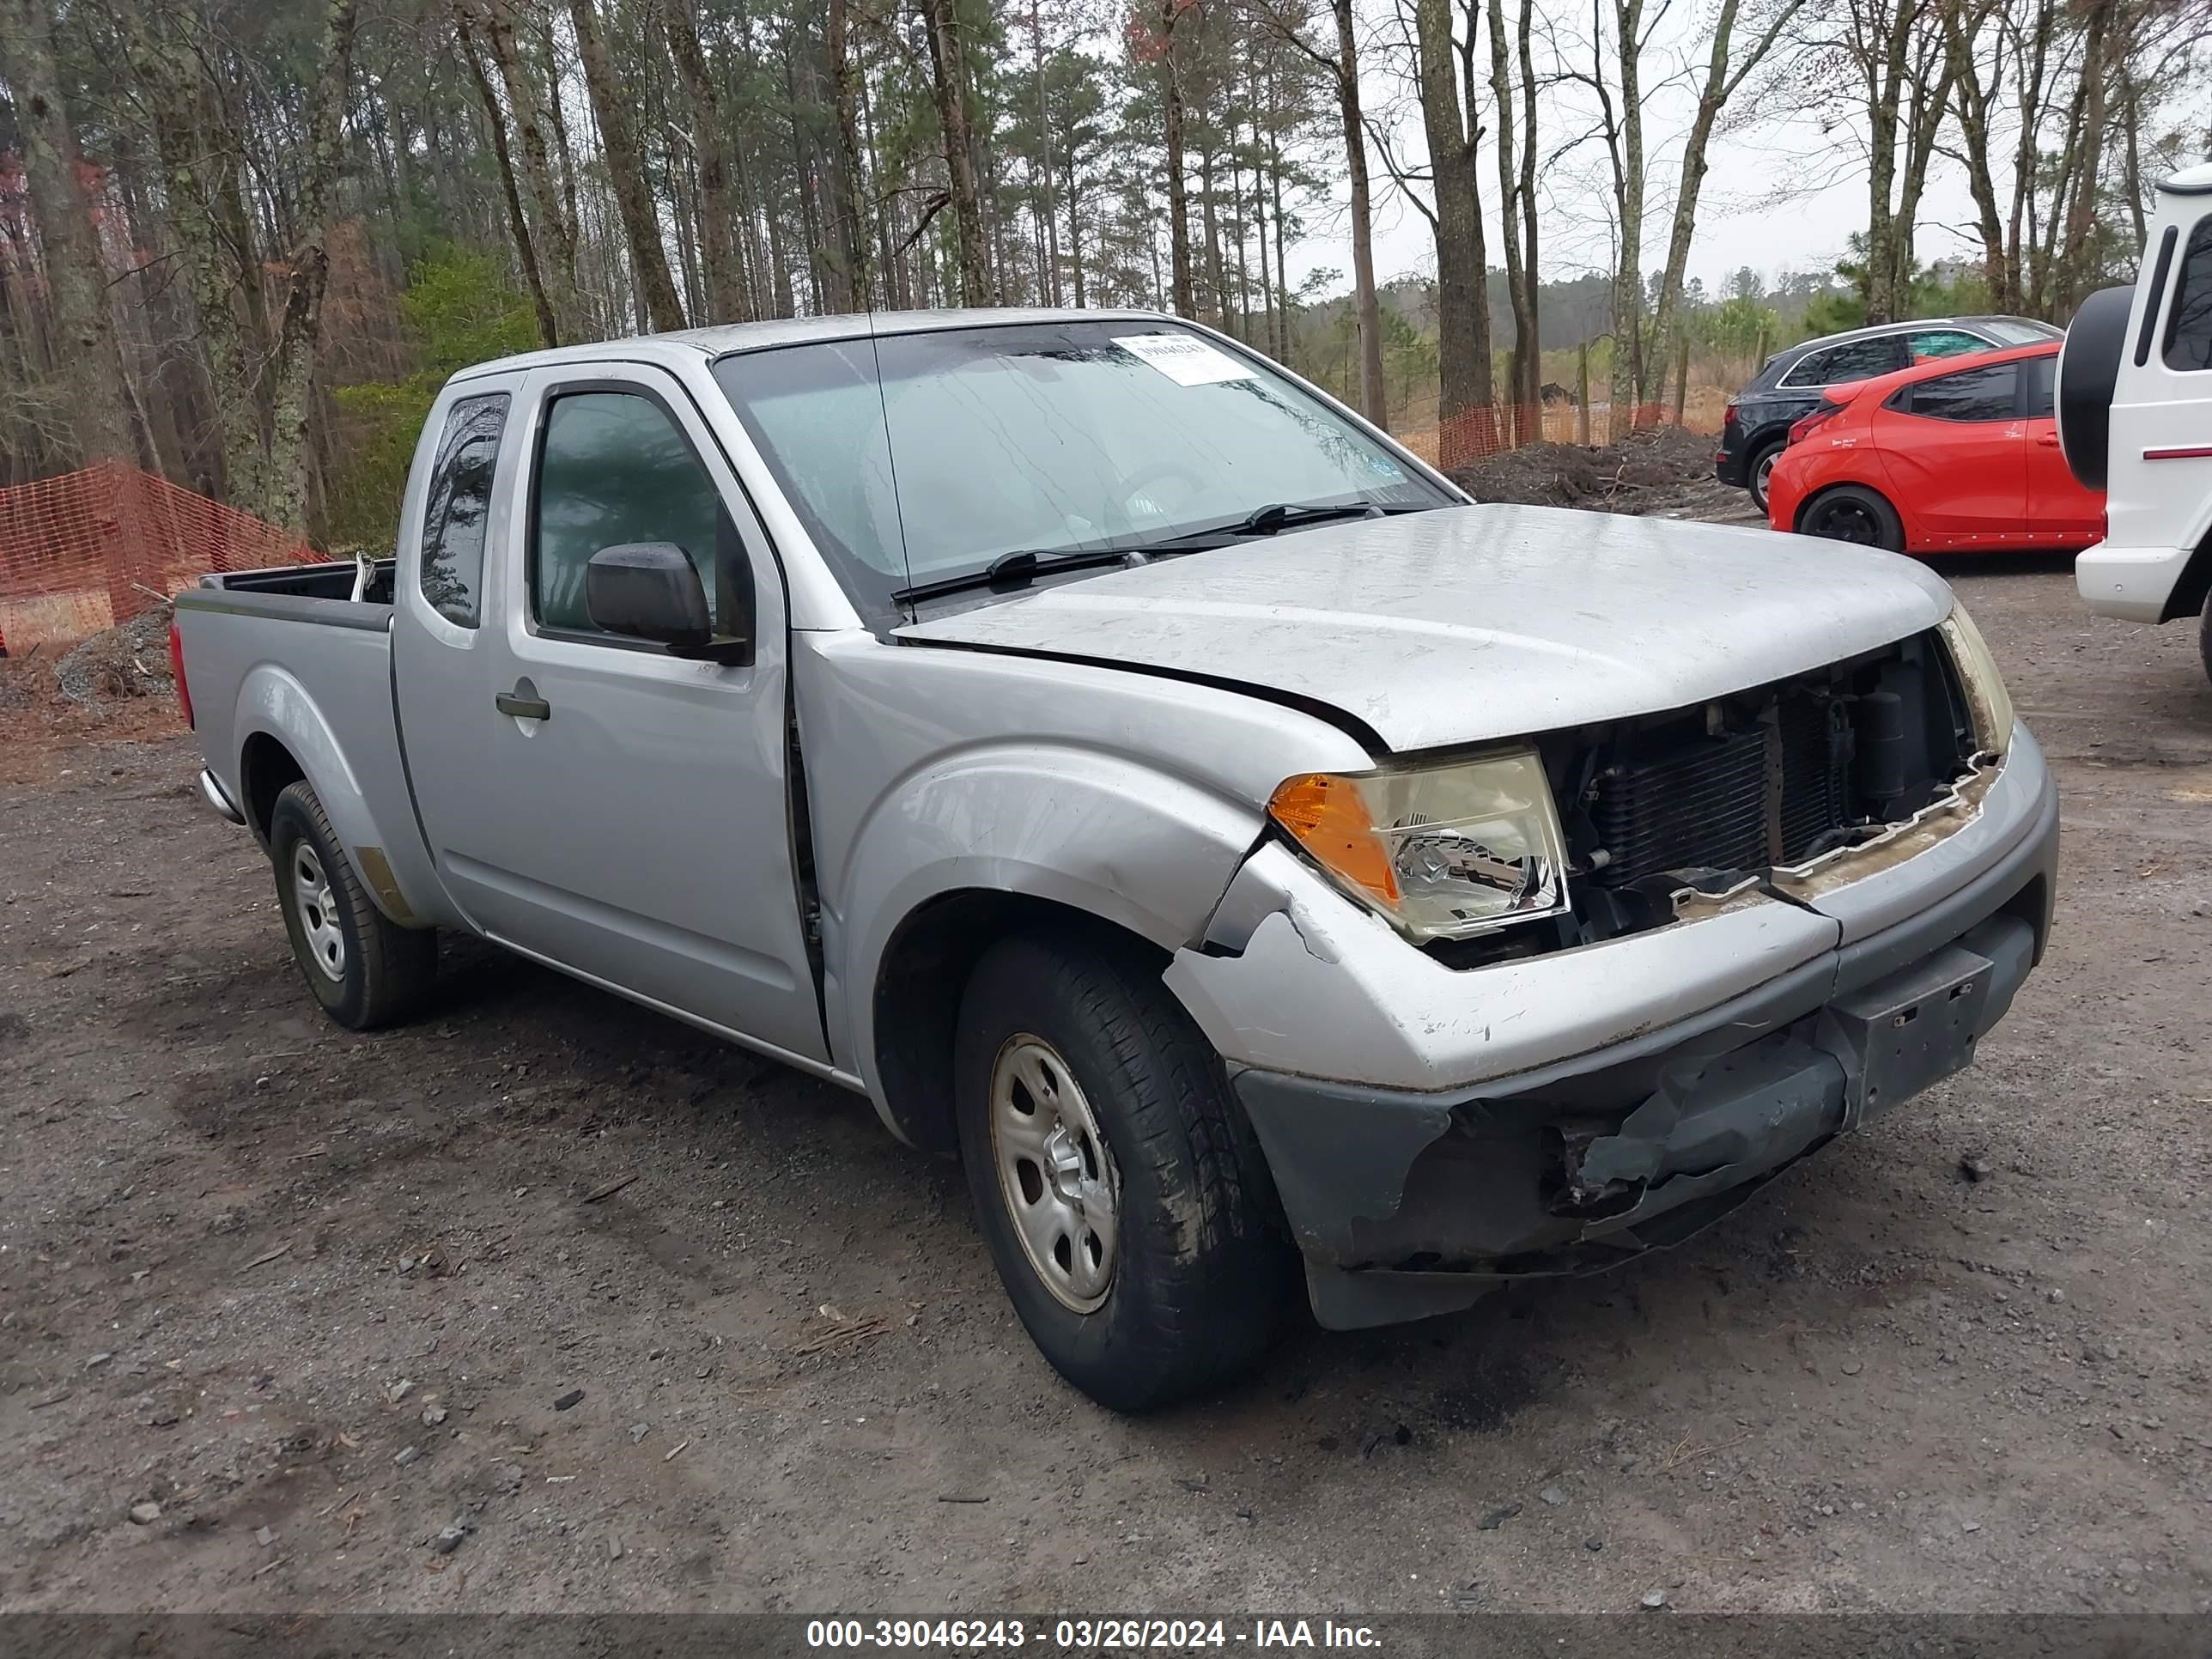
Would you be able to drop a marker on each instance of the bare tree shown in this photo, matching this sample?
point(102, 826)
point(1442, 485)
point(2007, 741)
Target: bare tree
point(1464, 399)
point(1343, 70)
point(76, 281)
point(1516, 198)
point(1727, 65)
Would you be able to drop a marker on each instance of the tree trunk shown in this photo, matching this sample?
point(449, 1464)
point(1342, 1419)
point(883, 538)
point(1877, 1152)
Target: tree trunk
point(549, 328)
point(1628, 342)
point(721, 270)
point(220, 266)
point(850, 239)
point(948, 79)
point(554, 234)
point(76, 278)
point(1723, 77)
point(1463, 360)
point(633, 186)
point(2080, 244)
point(300, 331)
point(1531, 362)
point(1214, 310)
point(1183, 301)
point(1885, 86)
point(1374, 401)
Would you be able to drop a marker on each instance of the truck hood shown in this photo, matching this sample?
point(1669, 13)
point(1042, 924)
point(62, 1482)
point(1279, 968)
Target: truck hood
point(1469, 623)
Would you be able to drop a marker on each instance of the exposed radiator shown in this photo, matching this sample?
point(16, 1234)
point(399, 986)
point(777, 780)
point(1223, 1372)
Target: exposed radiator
point(1766, 793)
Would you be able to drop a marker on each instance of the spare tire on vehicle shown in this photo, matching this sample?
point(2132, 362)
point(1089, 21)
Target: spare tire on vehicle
point(2088, 368)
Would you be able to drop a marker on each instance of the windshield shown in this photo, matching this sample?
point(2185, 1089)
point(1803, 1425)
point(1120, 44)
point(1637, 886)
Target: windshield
point(914, 458)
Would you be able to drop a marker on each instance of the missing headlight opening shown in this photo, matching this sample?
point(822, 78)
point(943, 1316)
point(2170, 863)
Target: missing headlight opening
point(1687, 809)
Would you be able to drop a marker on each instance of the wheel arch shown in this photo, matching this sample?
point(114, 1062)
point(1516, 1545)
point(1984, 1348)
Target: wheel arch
point(1813, 497)
point(922, 978)
point(2194, 586)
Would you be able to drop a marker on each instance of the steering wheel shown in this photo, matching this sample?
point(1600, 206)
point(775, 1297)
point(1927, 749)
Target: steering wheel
point(1140, 481)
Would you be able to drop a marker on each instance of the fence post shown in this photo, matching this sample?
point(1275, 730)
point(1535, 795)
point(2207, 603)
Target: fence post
point(1681, 378)
point(1582, 394)
point(1760, 362)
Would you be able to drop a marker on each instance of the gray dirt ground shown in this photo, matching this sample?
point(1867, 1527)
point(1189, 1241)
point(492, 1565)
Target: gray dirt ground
point(316, 1295)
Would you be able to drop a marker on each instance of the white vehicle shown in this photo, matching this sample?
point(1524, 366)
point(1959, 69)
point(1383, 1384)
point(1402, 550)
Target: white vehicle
point(2135, 416)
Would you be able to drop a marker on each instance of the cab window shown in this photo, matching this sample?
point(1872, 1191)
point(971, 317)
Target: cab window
point(614, 467)
point(2189, 324)
point(451, 571)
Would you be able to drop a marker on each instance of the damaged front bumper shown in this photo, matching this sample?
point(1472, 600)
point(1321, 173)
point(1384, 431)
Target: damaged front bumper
point(1408, 1202)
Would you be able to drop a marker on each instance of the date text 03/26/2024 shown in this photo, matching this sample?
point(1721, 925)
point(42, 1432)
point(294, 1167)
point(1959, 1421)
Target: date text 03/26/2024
point(1087, 1635)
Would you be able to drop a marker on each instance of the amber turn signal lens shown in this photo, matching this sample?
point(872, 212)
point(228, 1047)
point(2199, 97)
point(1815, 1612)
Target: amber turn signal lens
point(1331, 822)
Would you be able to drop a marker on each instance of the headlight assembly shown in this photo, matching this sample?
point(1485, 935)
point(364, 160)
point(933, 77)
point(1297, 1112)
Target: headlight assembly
point(1985, 688)
point(1441, 851)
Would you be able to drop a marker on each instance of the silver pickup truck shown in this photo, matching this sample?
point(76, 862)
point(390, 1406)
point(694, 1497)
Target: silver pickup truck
point(1146, 781)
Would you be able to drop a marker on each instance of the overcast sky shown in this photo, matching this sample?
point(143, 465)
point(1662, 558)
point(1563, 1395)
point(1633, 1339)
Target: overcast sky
point(1780, 193)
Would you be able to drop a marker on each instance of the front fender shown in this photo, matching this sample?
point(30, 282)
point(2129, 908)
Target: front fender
point(1098, 832)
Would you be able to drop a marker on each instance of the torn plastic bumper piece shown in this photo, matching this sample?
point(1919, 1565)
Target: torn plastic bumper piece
point(1409, 1204)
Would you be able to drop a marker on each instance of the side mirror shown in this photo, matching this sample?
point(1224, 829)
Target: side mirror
point(652, 591)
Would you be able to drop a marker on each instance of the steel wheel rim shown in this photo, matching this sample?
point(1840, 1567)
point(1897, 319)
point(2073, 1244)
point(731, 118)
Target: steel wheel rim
point(1761, 473)
point(1056, 1174)
point(1849, 521)
point(318, 911)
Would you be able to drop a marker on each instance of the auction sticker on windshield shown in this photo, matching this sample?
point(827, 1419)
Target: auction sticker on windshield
point(1183, 358)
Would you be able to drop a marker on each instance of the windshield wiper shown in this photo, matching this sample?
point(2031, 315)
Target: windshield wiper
point(1275, 518)
point(1289, 515)
point(1011, 570)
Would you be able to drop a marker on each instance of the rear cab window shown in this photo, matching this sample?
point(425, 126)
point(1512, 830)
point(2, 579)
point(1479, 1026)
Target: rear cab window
point(451, 572)
point(2188, 324)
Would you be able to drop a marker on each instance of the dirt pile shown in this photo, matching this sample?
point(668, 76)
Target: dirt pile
point(128, 661)
point(1660, 470)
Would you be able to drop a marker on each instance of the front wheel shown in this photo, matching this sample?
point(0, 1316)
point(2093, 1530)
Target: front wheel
point(1124, 1199)
point(363, 969)
point(1853, 513)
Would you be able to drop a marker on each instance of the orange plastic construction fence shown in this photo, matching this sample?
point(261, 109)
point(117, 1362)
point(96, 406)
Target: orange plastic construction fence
point(88, 550)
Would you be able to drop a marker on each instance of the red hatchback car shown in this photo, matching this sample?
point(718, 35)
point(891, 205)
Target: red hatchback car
point(1944, 457)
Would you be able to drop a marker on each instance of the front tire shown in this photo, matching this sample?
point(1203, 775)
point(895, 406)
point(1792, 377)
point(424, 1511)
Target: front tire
point(364, 970)
point(1119, 1189)
point(1853, 514)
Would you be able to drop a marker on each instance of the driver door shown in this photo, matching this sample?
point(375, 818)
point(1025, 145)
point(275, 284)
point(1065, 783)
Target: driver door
point(608, 808)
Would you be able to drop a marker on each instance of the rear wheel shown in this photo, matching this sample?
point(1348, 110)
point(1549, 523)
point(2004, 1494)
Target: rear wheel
point(1125, 1201)
point(365, 970)
point(2204, 638)
point(1762, 466)
point(1853, 513)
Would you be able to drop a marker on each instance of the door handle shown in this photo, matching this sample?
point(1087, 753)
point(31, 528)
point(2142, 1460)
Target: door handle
point(523, 702)
point(2049, 441)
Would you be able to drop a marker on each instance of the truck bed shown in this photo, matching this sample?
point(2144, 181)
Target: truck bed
point(272, 703)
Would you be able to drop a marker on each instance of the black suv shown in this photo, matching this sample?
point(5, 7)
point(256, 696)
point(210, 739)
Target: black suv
point(1758, 423)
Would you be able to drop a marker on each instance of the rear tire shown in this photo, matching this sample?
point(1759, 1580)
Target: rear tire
point(1853, 514)
point(1156, 1266)
point(1761, 464)
point(2204, 638)
point(364, 970)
